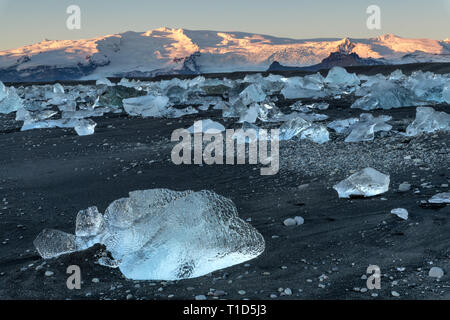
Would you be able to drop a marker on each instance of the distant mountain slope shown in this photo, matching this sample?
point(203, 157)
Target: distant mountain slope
point(341, 59)
point(167, 50)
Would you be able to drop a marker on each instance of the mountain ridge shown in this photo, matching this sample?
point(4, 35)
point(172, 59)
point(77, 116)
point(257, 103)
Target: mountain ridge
point(168, 50)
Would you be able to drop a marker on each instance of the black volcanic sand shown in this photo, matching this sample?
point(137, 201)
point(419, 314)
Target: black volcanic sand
point(47, 176)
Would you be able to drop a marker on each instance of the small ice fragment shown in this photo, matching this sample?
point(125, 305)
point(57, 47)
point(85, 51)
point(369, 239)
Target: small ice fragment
point(440, 198)
point(206, 125)
point(299, 220)
point(88, 222)
point(53, 243)
point(293, 127)
point(250, 115)
point(436, 272)
point(58, 89)
point(367, 183)
point(401, 213)
point(103, 81)
point(316, 133)
point(446, 94)
point(342, 126)
point(85, 127)
point(289, 222)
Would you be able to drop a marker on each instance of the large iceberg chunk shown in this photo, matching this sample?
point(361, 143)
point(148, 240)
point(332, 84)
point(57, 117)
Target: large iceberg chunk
point(311, 86)
point(161, 234)
point(146, 106)
point(428, 120)
point(339, 77)
point(367, 183)
point(11, 101)
point(386, 95)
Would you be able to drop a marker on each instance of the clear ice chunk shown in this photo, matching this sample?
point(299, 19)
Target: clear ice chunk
point(367, 183)
point(2, 91)
point(251, 114)
point(339, 77)
point(342, 126)
point(401, 213)
point(428, 120)
point(253, 93)
point(311, 86)
point(206, 125)
point(362, 132)
point(11, 101)
point(440, 198)
point(85, 127)
point(161, 234)
point(367, 126)
point(386, 95)
point(88, 222)
point(316, 133)
point(446, 94)
point(104, 81)
point(53, 243)
point(293, 128)
point(146, 106)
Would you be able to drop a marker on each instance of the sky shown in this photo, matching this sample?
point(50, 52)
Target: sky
point(25, 22)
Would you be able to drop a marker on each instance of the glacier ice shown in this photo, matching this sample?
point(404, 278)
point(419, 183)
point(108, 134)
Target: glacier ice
point(311, 86)
point(104, 81)
point(81, 126)
point(339, 77)
point(88, 222)
point(160, 234)
point(206, 125)
point(293, 128)
point(401, 213)
point(428, 120)
point(386, 95)
point(251, 114)
point(342, 126)
point(316, 133)
point(11, 101)
point(440, 198)
point(367, 126)
point(446, 94)
point(253, 93)
point(146, 106)
point(2, 91)
point(53, 243)
point(306, 130)
point(367, 183)
point(85, 127)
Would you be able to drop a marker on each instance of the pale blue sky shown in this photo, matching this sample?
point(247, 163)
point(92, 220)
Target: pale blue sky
point(28, 21)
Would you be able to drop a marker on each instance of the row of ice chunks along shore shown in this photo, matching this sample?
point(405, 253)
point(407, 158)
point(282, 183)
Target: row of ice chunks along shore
point(160, 234)
point(250, 99)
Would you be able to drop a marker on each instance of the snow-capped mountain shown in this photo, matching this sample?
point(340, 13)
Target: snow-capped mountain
point(167, 50)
